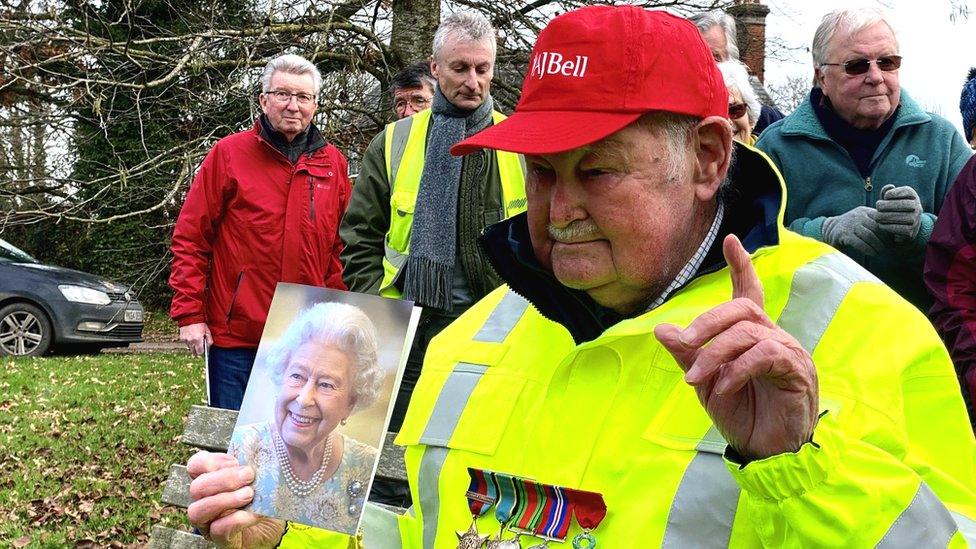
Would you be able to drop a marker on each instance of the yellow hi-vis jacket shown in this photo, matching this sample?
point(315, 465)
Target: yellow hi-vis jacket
point(893, 463)
point(407, 140)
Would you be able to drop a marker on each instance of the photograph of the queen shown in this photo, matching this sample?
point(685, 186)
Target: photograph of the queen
point(323, 371)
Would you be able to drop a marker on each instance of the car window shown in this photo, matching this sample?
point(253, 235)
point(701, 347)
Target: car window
point(11, 253)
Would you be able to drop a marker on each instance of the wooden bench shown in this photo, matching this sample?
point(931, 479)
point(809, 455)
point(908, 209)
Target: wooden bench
point(210, 429)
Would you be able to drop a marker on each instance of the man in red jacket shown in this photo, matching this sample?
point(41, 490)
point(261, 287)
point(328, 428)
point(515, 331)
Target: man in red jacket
point(264, 208)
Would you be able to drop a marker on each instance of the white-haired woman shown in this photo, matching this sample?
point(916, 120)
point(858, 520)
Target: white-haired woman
point(325, 368)
point(744, 106)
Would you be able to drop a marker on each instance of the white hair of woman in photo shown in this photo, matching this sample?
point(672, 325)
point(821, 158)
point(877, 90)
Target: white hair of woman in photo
point(325, 369)
point(741, 94)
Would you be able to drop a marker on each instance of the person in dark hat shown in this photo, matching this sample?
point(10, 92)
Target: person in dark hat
point(967, 106)
point(666, 365)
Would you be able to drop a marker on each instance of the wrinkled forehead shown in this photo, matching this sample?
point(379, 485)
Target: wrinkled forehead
point(455, 39)
point(878, 34)
point(282, 80)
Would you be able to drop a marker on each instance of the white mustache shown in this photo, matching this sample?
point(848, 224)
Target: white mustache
point(575, 231)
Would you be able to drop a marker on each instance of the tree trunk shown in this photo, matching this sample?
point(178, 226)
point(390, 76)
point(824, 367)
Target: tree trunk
point(414, 23)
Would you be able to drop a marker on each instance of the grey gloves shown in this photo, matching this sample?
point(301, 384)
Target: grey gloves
point(897, 219)
point(899, 212)
point(855, 229)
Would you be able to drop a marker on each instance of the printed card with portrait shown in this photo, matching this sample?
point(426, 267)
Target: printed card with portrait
point(318, 402)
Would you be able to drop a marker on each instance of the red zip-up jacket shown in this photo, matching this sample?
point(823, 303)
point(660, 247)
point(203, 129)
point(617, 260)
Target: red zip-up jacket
point(253, 219)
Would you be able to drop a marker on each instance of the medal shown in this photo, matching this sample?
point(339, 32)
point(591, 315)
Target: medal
point(505, 508)
point(471, 539)
point(481, 496)
point(511, 543)
point(527, 507)
point(590, 509)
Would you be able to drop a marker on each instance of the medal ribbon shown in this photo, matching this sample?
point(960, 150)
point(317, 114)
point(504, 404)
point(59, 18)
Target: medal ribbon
point(589, 507)
point(481, 492)
point(556, 511)
point(530, 513)
point(507, 497)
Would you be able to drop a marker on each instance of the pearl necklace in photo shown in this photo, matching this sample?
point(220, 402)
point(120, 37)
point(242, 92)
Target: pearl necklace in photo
point(299, 487)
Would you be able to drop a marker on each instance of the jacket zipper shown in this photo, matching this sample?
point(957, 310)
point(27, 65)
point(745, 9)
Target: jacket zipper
point(867, 184)
point(233, 297)
point(311, 197)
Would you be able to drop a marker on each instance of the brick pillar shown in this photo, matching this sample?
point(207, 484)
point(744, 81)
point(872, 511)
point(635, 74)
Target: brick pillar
point(750, 21)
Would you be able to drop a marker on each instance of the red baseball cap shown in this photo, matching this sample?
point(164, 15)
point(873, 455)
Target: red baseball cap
point(595, 70)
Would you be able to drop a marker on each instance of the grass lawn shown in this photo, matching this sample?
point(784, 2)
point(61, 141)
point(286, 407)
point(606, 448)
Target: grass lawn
point(86, 443)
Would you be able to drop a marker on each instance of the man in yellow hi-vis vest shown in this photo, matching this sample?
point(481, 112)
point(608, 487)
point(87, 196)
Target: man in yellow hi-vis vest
point(667, 365)
point(416, 212)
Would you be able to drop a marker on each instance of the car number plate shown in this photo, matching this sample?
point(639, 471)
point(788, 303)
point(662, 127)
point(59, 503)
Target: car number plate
point(133, 316)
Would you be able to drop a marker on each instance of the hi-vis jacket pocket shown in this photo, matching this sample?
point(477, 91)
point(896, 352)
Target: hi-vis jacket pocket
point(469, 412)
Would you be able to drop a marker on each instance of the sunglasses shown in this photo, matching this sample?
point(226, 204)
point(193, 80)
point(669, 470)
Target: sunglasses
point(854, 67)
point(737, 110)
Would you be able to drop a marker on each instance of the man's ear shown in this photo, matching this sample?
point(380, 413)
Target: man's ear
point(433, 66)
point(713, 152)
point(818, 78)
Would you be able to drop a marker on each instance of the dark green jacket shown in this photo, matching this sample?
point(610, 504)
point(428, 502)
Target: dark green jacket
point(367, 219)
point(921, 150)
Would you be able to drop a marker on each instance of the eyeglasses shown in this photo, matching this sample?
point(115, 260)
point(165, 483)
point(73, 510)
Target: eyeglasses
point(285, 97)
point(737, 110)
point(854, 67)
point(418, 102)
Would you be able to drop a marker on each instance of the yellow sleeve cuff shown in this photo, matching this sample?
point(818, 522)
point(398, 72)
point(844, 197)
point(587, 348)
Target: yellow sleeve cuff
point(300, 536)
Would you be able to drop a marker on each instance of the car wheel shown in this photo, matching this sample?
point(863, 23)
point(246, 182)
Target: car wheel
point(24, 330)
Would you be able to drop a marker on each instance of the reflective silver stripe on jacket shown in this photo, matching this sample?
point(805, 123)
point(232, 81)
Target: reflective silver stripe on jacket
point(401, 131)
point(816, 293)
point(451, 402)
point(394, 257)
point(967, 526)
point(924, 523)
point(381, 529)
point(503, 319)
point(703, 508)
point(449, 406)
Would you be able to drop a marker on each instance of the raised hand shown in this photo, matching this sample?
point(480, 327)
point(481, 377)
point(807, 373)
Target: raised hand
point(754, 379)
point(220, 488)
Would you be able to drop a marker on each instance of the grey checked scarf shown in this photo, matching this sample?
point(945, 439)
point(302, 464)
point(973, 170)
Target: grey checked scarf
point(429, 271)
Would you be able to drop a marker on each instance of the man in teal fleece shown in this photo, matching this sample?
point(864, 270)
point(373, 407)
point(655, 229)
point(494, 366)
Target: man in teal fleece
point(866, 168)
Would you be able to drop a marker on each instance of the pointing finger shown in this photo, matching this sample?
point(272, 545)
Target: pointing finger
point(745, 281)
